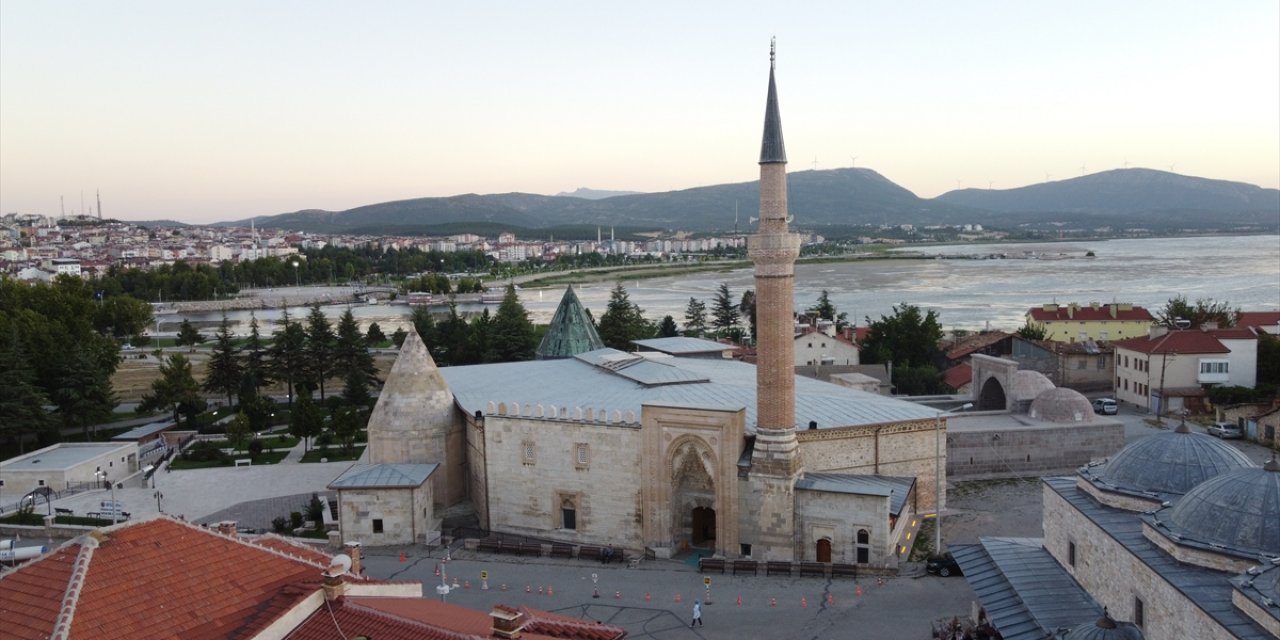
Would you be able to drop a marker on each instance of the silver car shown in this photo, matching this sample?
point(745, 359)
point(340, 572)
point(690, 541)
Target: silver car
point(1225, 430)
point(1105, 406)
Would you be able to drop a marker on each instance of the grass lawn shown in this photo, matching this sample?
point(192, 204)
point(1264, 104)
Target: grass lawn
point(267, 457)
point(334, 454)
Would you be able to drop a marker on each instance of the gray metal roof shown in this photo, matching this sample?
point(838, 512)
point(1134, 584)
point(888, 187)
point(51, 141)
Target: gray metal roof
point(771, 147)
point(64, 455)
point(641, 369)
point(1237, 512)
point(571, 331)
point(145, 430)
point(1261, 584)
point(729, 385)
point(1105, 628)
point(1166, 464)
point(367, 476)
point(1204, 588)
point(894, 488)
point(683, 345)
point(1026, 593)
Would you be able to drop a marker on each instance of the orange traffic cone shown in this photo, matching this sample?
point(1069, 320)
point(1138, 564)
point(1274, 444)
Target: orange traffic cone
point(528, 588)
point(617, 595)
point(830, 600)
point(804, 602)
point(858, 591)
point(678, 598)
point(504, 586)
point(646, 596)
point(466, 584)
point(540, 590)
point(550, 591)
point(773, 602)
point(437, 569)
point(739, 600)
point(401, 556)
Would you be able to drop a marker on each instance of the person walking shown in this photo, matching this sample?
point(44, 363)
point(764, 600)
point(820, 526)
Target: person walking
point(697, 613)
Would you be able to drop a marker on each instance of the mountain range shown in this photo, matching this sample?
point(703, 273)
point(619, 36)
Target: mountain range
point(829, 200)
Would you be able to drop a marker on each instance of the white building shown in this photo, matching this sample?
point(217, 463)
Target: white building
point(1177, 364)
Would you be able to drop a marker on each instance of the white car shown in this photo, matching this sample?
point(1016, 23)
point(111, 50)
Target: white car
point(1225, 430)
point(1105, 406)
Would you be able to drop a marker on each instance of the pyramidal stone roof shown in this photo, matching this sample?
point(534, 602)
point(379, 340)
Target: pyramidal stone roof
point(571, 331)
point(415, 392)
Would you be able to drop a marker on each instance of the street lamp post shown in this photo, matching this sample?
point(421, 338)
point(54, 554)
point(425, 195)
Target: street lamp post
point(159, 496)
point(297, 282)
point(938, 472)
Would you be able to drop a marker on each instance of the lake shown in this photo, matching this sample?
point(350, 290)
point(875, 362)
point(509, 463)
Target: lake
point(968, 288)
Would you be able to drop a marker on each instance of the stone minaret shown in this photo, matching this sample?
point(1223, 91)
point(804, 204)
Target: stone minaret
point(775, 462)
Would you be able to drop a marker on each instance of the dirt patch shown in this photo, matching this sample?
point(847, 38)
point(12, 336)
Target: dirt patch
point(1010, 508)
point(134, 376)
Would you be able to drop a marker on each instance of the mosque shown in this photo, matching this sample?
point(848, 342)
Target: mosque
point(661, 450)
point(1175, 536)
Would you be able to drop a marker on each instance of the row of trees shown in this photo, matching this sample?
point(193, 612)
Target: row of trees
point(507, 336)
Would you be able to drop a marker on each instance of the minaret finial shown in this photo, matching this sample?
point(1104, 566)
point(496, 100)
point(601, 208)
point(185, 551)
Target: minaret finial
point(773, 49)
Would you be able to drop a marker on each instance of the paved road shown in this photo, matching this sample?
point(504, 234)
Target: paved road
point(913, 601)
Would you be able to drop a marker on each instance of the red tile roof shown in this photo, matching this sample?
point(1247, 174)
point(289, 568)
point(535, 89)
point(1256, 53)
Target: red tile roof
point(970, 344)
point(1088, 313)
point(389, 618)
point(1258, 319)
point(1185, 341)
point(155, 578)
point(958, 376)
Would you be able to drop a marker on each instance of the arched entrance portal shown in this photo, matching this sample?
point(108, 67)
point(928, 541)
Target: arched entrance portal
point(703, 532)
point(693, 497)
point(992, 396)
point(824, 550)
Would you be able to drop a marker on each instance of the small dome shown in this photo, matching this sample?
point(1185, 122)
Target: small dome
point(1106, 628)
point(1236, 510)
point(1172, 462)
point(1029, 384)
point(1061, 405)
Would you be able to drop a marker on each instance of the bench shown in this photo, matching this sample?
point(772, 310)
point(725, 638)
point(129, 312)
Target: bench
point(844, 571)
point(244, 462)
point(529, 549)
point(813, 569)
point(561, 551)
point(591, 552)
point(489, 546)
point(707, 565)
point(774, 567)
point(63, 512)
point(749, 567)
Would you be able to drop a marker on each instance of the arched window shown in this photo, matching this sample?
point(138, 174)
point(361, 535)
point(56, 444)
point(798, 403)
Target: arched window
point(568, 514)
point(864, 546)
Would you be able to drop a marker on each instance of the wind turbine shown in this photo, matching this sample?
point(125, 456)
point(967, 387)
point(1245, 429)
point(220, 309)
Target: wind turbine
point(853, 161)
point(1083, 168)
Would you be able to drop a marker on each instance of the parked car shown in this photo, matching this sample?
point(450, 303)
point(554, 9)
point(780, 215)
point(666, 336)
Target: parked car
point(1105, 406)
point(943, 565)
point(1225, 430)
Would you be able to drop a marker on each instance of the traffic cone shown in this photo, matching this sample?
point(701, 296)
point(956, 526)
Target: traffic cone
point(455, 582)
point(617, 595)
point(401, 556)
point(739, 600)
point(804, 602)
point(830, 600)
point(504, 587)
point(539, 589)
point(646, 596)
point(595, 592)
point(550, 591)
point(773, 602)
point(437, 569)
point(858, 591)
point(528, 588)
point(484, 584)
point(678, 598)
point(466, 584)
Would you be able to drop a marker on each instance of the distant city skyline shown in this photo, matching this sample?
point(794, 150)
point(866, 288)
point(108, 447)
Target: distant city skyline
point(204, 113)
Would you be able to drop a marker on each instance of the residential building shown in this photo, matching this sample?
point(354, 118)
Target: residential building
point(1095, 321)
point(1177, 365)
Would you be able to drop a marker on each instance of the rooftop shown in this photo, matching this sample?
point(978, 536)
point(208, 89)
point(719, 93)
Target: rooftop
point(64, 455)
point(894, 488)
point(384, 476)
point(680, 346)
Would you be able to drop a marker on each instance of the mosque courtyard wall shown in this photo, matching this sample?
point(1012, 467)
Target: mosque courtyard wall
point(1020, 451)
point(904, 449)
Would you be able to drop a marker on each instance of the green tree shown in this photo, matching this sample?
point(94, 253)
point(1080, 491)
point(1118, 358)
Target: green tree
point(188, 335)
point(425, 325)
point(347, 423)
point(695, 317)
point(451, 336)
point(256, 374)
point(288, 354)
point(724, 313)
point(826, 310)
point(224, 371)
point(1204, 310)
point(909, 339)
point(1269, 364)
point(305, 421)
point(622, 321)
point(238, 431)
point(22, 401)
point(84, 396)
point(1032, 331)
point(480, 343)
point(667, 327)
point(122, 316)
point(398, 337)
point(375, 334)
point(320, 346)
point(351, 356)
point(175, 390)
point(513, 333)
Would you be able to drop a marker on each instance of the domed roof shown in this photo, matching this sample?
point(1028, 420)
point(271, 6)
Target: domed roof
point(1061, 405)
point(1236, 510)
point(1172, 462)
point(1106, 628)
point(1029, 384)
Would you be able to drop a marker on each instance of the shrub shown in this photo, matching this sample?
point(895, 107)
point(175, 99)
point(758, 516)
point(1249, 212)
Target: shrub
point(279, 524)
point(295, 519)
point(255, 448)
point(205, 452)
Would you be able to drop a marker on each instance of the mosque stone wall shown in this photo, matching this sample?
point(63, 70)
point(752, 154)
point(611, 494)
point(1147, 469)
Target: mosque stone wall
point(905, 449)
point(1115, 577)
point(406, 514)
point(838, 517)
point(534, 470)
point(1021, 452)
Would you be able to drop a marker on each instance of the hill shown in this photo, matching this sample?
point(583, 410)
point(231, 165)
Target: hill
point(834, 199)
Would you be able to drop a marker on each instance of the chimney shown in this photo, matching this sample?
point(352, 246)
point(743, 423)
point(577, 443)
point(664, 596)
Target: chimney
point(1071, 310)
point(1114, 309)
point(507, 622)
point(334, 584)
point(353, 550)
point(227, 528)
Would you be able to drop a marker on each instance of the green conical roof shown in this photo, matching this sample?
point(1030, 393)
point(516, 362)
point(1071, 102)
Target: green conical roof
point(571, 331)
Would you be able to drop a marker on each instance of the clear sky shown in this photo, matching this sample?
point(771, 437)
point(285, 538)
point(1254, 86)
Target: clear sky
point(224, 110)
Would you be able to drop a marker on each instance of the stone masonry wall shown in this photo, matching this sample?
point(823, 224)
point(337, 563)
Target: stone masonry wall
point(1114, 577)
point(1029, 452)
point(396, 508)
point(839, 516)
point(906, 449)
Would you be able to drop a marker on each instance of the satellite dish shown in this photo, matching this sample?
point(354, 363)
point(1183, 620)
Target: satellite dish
point(341, 560)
